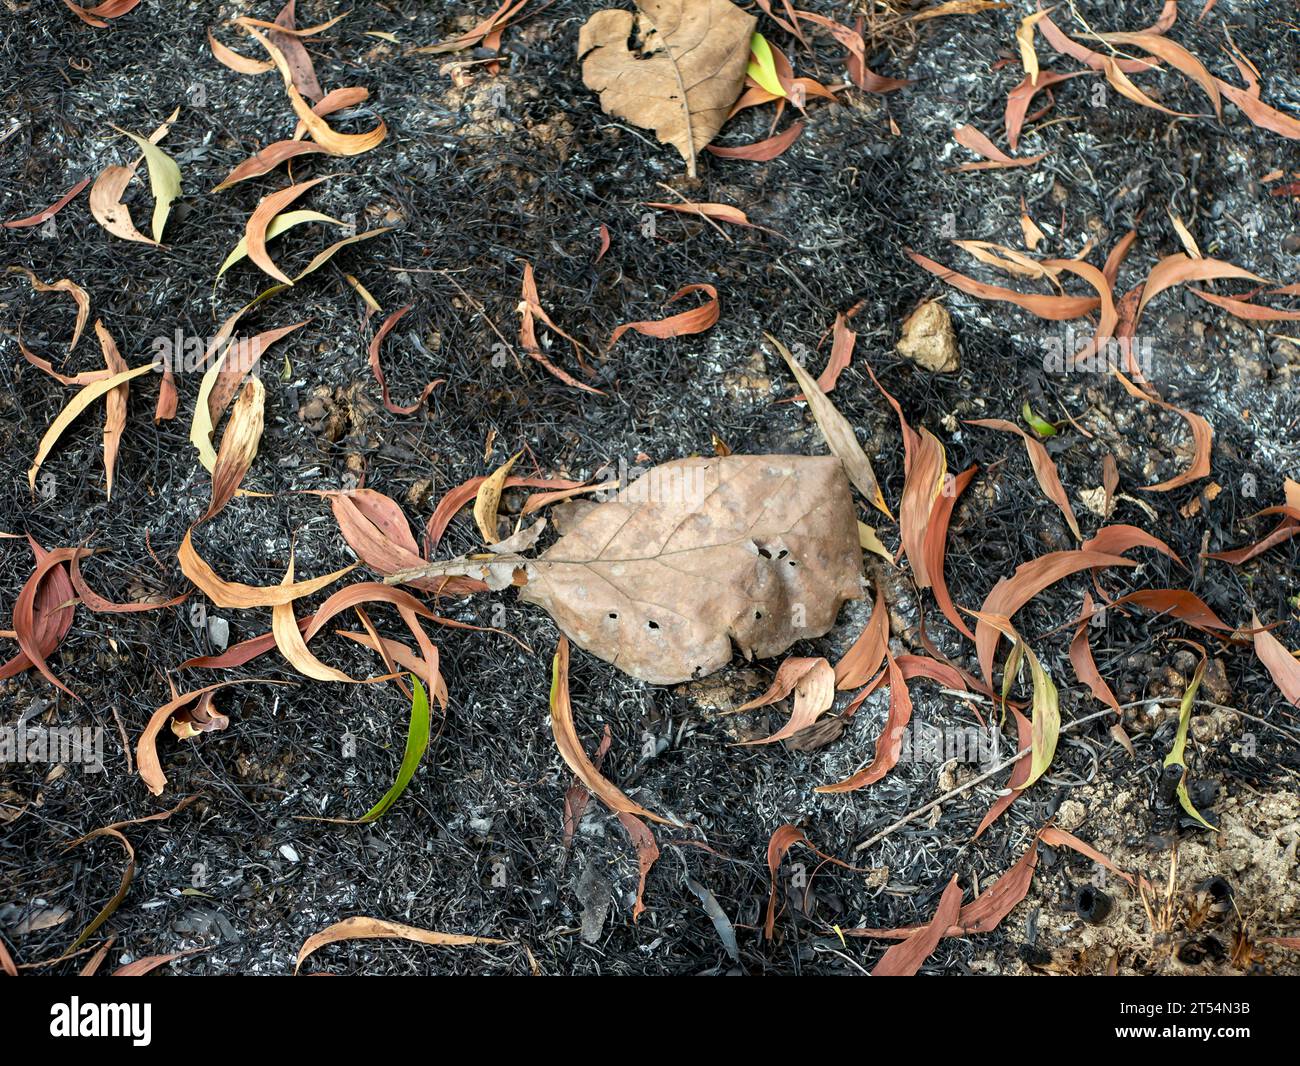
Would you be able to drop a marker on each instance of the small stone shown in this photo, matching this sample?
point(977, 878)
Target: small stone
point(928, 340)
point(288, 852)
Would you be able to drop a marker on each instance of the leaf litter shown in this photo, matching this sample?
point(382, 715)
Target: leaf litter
point(377, 530)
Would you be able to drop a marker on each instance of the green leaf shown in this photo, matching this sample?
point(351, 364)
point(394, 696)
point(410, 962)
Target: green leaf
point(762, 67)
point(1045, 720)
point(1037, 423)
point(164, 180)
point(1177, 753)
point(417, 741)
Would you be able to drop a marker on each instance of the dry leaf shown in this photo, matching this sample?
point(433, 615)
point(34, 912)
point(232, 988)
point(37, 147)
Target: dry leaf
point(376, 368)
point(839, 435)
point(255, 230)
point(530, 309)
point(1054, 308)
point(684, 75)
point(1177, 269)
point(1281, 665)
point(240, 64)
point(813, 682)
point(362, 928)
point(79, 296)
point(760, 151)
point(322, 133)
point(488, 499)
point(1202, 437)
point(889, 745)
point(1044, 469)
point(1029, 579)
point(266, 160)
point(238, 445)
point(83, 399)
point(293, 647)
point(233, 594)
point(696, 554)
point(696, 320)
point(106, 204)
point(1019, 99)
point(903, 960)
point(1025, 39)
point(566, 739)
point(1175, 55)
point(994, 157)
point(49, 212)
point(114, 405)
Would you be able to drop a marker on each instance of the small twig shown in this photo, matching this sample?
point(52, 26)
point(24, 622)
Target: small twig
point(913, 815)
point(690, 203)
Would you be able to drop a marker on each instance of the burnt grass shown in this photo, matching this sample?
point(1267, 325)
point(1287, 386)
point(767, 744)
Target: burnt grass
point(523, 165)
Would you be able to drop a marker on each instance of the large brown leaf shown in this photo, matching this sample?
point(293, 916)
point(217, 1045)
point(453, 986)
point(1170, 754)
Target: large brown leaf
point(757, 549)
point(661, 579)
point(686, 72)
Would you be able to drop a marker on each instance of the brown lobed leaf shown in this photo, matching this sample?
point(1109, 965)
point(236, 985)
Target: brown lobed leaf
point(683, 77)
point(698, 553)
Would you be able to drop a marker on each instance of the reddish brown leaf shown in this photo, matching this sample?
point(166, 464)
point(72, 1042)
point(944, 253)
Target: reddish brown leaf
point(994, 157)
point(760, 151)
point(813, 682)
point(49, 212)
point(936, 547)
point(1281, 665)
point(889, 745)
point(1096, 60)
point(1019, 99)
point(905, 959)
point(255, 229)
point(267, 159)
point(566, 739)
point(1054, 308)
point(531, 311)
point(378, 370)
point(1181, 604)
point(1044, 469)
point(647, 854)
point(93, 601)
point(1202, 439)
point(1252, 312)
point(1029, 579)
point(1085, 666)
point(1180, 268)
point(861, 662)
point(696, 320)
point(52, 612)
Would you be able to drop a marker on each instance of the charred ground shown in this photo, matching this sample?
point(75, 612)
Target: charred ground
point(474, 188)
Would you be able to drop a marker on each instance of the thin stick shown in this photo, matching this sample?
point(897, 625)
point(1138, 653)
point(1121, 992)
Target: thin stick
point(913, 815)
